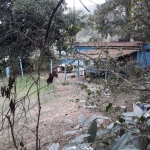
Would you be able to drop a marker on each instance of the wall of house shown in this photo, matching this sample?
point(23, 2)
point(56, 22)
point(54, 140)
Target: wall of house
point(75, 62)
point(143, 57)
point(146, 46)
point(84, 49)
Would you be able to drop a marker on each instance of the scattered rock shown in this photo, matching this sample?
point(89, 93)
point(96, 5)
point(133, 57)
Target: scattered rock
point(77, 127)
point(88, 80)
point(91, 107)
point(79, 100)
point(54, 146)
point(123, 108)
point(100, 121)
point(70, 132)
point(69, 121)
point(82, 101)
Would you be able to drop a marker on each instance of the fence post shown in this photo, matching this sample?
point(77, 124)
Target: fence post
point(21, 66)
point(51, 65)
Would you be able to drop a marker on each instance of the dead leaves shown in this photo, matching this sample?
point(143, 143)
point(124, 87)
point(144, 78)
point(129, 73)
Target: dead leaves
point(5, 92)
point(12, 106)
point(11, 81)
point(51, 77)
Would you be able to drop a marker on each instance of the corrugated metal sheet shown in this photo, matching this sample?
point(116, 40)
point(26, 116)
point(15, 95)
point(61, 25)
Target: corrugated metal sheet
point(109, 44)
point(110, 52)
point(95, 50)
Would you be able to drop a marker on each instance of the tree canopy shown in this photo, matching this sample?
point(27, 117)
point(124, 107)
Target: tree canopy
point(23, 26)
point(124, 18)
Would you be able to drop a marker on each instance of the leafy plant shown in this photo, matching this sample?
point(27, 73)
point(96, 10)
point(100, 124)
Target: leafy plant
point(127, 132)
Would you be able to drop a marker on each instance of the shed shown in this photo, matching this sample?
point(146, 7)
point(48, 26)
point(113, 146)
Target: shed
point(115, 49)
point(120, 50)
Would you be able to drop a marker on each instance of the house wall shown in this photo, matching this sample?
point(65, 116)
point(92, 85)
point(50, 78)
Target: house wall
point(143, 57)
point(146, 46)
point(84, 49)
point(75, 62)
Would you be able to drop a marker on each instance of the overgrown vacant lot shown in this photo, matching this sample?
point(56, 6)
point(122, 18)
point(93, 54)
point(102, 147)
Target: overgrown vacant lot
point(59, 111)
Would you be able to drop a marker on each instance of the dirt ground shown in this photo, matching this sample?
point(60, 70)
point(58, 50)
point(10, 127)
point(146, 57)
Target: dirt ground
point(59, 114)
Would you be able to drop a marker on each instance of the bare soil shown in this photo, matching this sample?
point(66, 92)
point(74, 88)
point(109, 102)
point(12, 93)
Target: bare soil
point(61, 108)
point(58, 107)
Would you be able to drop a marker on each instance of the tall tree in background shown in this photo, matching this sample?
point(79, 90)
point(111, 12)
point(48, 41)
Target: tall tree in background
point(75, 21)
point(6, 20)
point(124, 18)
point(29, 20)
point(23, 26)
point(24, 31)
point(140, 20)
point(111, 18)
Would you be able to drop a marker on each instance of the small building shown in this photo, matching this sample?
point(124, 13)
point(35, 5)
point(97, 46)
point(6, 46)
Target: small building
point(127, 51)
point(113, 49)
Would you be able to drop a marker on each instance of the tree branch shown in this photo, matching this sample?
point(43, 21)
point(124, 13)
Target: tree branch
point(51, 18)
point(12, 132)
point(84, 6)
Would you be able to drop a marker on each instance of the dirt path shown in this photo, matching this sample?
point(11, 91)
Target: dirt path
point(60, 114)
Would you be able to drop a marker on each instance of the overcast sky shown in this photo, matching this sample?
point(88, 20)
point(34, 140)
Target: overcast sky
point(85, 2)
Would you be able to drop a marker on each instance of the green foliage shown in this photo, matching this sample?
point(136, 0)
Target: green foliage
point(92, 131)
point(142, 119)
point(121, 120)
point(69, 68)
point(127, 132)
point(140, 19)
point(23, 25)
point(124, 18)
point(108, 107)
point(87, 62)
point(23, 28)
point(109, 18)
point(138, 70)
point(74, 22)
